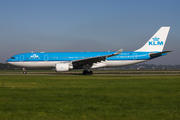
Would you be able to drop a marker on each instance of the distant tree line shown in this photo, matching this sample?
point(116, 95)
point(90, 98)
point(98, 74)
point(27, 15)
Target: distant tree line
point(6, 66)
point(152, 67)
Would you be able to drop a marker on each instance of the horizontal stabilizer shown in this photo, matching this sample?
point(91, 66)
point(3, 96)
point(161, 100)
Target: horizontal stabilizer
point(152, 55)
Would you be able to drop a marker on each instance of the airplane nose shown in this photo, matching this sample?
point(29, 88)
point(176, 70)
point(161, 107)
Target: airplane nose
point(7, 61)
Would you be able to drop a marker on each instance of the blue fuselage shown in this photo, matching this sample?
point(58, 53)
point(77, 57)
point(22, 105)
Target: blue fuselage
point(70, 56)
point(50, 59)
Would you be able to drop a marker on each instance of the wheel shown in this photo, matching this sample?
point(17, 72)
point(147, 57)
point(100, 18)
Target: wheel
point(24, 72)
point(85, 72)
point(90, 72)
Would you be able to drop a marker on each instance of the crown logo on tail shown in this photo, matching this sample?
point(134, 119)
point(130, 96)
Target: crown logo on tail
point(155, 41)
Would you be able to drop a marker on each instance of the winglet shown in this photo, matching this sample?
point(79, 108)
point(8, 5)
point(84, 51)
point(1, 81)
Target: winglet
point(118, 52)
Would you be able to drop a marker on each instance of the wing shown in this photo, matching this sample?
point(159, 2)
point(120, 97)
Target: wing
point(152, 55)
point(90, 61)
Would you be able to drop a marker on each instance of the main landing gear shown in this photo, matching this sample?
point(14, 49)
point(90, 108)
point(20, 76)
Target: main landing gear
point(86, 72)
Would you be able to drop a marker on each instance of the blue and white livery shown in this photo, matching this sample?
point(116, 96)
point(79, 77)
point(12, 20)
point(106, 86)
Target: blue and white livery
point(65, 61)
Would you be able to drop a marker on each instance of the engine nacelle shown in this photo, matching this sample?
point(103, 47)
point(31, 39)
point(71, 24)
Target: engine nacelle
point(62, 67)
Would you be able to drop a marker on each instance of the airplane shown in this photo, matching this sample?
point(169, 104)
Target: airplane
point(65, 61)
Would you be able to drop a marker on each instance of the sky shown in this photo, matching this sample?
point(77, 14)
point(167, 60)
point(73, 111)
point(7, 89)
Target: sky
point(87, 25)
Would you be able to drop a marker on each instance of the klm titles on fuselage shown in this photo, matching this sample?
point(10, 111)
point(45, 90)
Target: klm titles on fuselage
point(34, 56)
point(155, 41)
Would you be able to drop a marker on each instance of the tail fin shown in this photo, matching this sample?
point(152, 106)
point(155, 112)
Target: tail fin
point(157, 41)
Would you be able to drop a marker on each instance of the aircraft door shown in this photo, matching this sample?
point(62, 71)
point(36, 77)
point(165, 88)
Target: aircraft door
point(134, 56)
point(22, 58)
point(46, 58)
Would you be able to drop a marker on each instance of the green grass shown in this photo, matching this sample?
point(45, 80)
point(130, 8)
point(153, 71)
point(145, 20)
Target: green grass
point(79, 97)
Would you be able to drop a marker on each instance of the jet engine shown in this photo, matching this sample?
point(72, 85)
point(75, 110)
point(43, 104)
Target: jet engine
point(62, 67)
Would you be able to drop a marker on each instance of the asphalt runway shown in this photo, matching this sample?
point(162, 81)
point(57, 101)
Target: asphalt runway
point(96, 74)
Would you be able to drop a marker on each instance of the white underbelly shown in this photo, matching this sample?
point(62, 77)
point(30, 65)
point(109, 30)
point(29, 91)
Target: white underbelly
point(121, 63)
point(35, 64)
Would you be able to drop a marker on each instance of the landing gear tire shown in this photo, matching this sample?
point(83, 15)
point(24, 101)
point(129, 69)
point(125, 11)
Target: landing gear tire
point(24, 72)
point(85, 72)
point(90, 72)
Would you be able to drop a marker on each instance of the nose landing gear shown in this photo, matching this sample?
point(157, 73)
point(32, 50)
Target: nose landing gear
point(24, 71)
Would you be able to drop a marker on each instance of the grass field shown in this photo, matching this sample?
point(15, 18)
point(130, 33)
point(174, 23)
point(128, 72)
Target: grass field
point(79, 97)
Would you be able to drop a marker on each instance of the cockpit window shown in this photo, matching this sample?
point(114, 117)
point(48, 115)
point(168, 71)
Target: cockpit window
point(12, 57)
